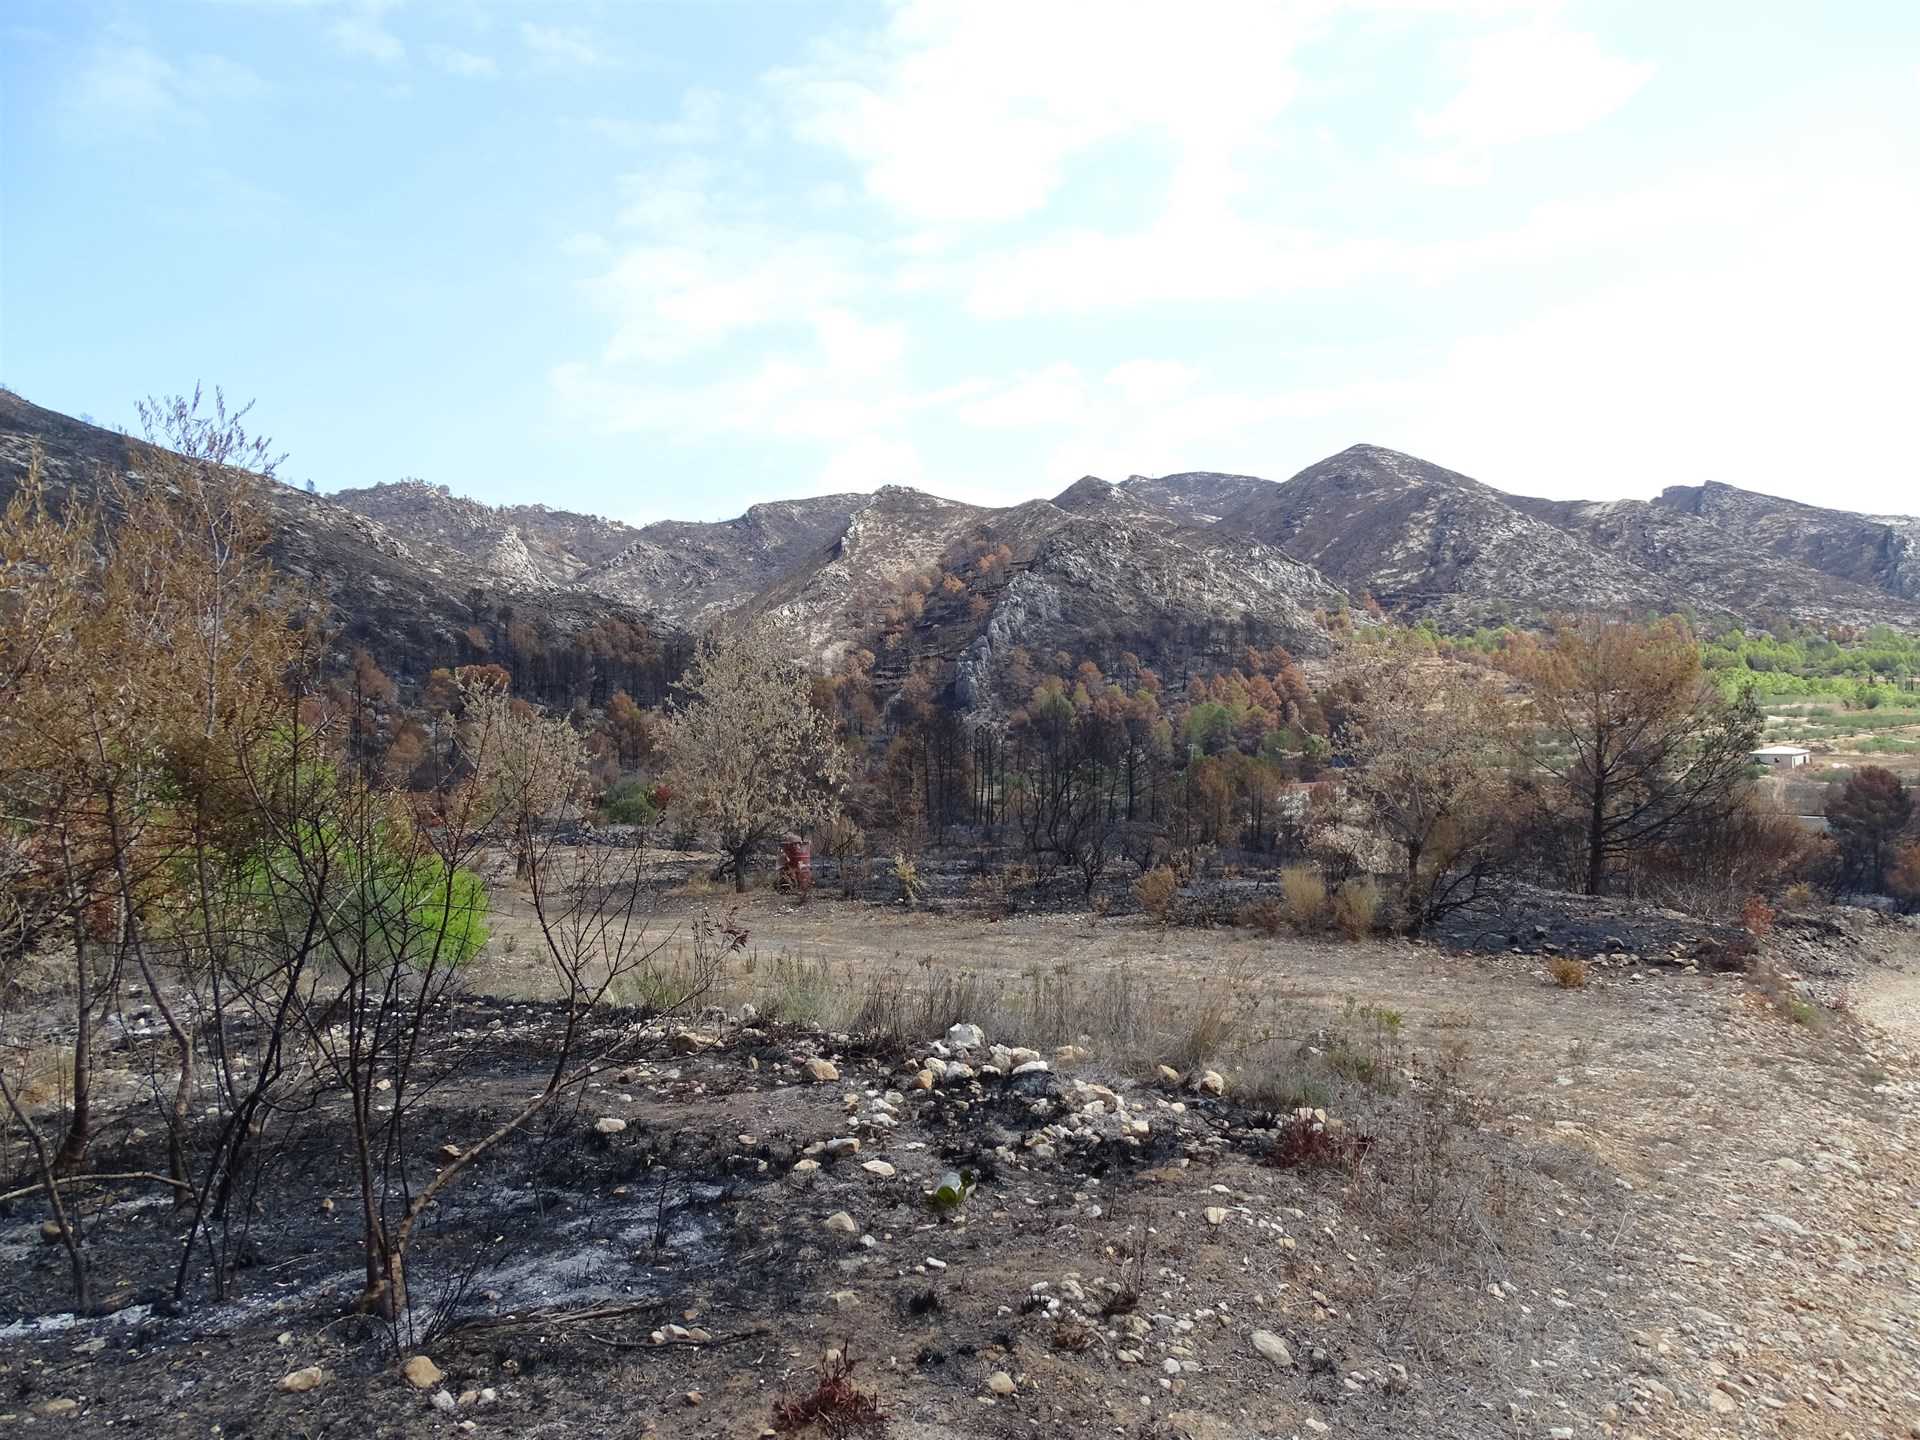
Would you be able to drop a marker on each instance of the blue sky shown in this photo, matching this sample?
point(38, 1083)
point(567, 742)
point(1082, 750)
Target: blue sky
point(654, 259)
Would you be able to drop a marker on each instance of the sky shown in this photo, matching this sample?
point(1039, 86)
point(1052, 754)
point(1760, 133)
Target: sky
point(670, 259)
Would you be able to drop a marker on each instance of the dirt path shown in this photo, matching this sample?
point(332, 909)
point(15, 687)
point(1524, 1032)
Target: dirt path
point(1891, 1000)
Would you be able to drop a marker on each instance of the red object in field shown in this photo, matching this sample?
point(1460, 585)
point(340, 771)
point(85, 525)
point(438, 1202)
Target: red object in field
point(796, 857)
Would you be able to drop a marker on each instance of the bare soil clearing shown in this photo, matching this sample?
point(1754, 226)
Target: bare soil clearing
point(1671, 1212)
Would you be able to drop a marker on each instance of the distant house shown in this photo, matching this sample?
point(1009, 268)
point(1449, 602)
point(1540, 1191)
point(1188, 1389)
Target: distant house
point(1782, 757)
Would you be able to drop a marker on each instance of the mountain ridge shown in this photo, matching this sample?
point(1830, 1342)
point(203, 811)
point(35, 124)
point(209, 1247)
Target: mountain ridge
point(1179, 568)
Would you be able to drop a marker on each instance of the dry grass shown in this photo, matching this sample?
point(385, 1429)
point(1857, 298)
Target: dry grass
point(835, 1404)
point(1303, 897)
point(1356, 907)
point(1568, 972)
point(1783, 999)
point(1156, 890)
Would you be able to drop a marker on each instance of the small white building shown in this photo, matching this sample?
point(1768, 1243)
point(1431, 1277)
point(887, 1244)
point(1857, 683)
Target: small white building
point(1782, 757)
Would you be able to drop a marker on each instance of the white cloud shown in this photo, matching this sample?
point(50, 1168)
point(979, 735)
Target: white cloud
point(364, 34)
point(1531, 82)
point(837, 377)
point(464, 63)
point(671, 300)
point(1760, 353)
point(559, 45)
point(1055, 395)
point(871, 461)
point(1657, 307)
point(1152, 416)
point(971, 110)
point(126, 86)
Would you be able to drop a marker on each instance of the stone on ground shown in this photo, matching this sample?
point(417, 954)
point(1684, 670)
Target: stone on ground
point(1271, 1347)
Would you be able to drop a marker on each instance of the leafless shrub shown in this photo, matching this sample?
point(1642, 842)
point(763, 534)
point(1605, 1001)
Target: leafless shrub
point(1431, 1177)
point(835, 1403)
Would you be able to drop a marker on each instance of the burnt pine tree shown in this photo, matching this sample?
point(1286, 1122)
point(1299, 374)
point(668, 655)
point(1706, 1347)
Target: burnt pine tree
point(1632, 739)
point(1867, 813)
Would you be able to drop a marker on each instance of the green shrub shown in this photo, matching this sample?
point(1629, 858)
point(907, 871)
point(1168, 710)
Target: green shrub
point(630, 802)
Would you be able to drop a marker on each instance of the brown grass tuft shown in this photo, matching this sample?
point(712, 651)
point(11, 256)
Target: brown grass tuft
point(1569, 972)
point(835, 1404)
point(1156, 891)
point(1303, 896)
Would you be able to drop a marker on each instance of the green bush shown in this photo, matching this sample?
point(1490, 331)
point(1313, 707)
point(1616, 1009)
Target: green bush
point(630, 802)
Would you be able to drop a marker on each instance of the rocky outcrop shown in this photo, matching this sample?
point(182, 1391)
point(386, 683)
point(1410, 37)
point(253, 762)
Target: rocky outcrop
point(1882, 551)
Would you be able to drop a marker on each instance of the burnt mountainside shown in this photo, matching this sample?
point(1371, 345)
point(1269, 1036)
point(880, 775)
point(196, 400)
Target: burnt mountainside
point(1180, 569)
point(1428, 542)
point(413, 601)
point(1424, 541)
point(1882, 551)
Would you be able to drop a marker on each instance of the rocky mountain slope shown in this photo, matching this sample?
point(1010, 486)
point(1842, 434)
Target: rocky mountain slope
point(413, 597)
point(1099, 568)
point(1180, 568)
point(1425, 541)
point(1430, 542)
point(690, 572)
point(684, 572)
point(520, 544)
point(1726, 565)
point(1882, 551)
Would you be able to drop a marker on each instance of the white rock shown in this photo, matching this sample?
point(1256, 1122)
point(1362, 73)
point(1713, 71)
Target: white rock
point(300, 1381)
point(1272, 1348)
point(609, 1125)
point(880, 1168)
point(966, 1037)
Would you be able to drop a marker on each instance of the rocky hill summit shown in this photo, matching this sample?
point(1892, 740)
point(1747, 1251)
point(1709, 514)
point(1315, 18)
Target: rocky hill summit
point(1430, 542)
point(528, 545)
point(1881, 551)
